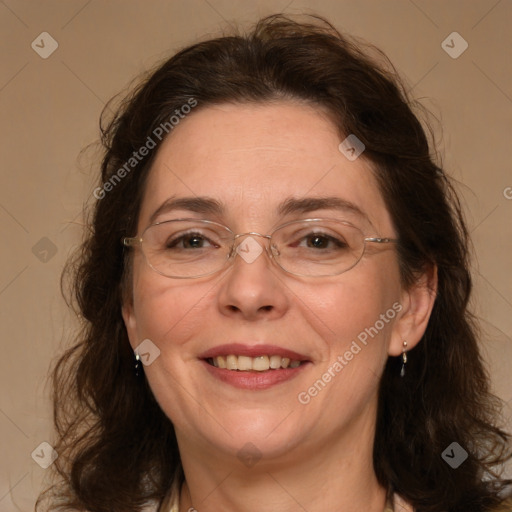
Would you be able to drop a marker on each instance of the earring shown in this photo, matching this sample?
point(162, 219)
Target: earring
point(404, 359)
point(138, 364)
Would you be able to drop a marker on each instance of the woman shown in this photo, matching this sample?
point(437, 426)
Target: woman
point(274, 292)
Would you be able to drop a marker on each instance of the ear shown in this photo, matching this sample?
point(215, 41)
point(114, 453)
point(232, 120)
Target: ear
point(417, 303)
point(130, 321)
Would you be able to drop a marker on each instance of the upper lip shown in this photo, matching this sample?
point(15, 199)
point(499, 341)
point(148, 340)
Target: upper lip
point(241, 349)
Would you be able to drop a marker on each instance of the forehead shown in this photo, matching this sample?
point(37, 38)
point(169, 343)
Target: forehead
point(253, 159)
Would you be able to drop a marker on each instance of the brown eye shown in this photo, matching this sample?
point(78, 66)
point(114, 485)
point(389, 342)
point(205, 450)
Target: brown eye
point(189, 241)
point(193, 242)
point(318, 242)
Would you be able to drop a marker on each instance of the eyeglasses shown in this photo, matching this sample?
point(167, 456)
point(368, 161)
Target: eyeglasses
point(191, 248)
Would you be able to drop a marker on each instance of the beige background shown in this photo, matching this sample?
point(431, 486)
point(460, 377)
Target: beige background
point(49, 111)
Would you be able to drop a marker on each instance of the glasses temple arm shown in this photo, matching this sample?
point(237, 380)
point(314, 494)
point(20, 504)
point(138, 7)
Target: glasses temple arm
point(131, 241)
point(381, 240)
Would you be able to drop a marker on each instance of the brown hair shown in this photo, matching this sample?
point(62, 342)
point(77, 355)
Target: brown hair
point(117, 448)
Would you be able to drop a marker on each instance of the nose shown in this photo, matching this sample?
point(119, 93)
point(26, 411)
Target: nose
point(252, 287)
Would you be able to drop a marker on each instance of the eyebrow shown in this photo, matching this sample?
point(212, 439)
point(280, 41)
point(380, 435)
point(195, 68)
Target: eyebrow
point(203, 205)
point(310, 204)
point(210, 206)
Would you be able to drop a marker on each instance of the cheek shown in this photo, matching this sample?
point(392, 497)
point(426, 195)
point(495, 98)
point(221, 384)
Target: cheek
point(171, 314)
point(354, 326)
point(353, 318)
point(355, 303)
point(165, 309)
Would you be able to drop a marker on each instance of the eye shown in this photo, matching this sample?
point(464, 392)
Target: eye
point(189, 241)
point(321, 241)
point(318, 241)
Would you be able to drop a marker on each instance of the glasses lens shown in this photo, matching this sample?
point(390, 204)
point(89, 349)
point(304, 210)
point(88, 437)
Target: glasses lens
point(186, 248)
point(318, 247)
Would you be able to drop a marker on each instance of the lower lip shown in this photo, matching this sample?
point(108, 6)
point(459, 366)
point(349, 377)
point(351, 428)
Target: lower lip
point(255, 380)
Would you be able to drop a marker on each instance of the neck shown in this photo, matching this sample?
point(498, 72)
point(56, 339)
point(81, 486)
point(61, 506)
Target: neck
point(334, 475)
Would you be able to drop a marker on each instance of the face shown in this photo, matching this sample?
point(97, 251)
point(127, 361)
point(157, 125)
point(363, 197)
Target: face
point(251, 160)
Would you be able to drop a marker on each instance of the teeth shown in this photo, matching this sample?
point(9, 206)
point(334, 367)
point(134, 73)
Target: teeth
point(275, 362)
point(258, 364)
point(231, 362)
point(244, 363)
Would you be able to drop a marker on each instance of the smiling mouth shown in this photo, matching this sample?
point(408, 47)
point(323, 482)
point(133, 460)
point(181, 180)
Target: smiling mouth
point(255, 364)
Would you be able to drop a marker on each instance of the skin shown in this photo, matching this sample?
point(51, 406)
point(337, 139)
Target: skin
point(317, 456)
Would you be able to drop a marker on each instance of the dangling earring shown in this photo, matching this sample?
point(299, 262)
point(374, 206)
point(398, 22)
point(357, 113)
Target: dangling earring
point(138, 364)
point(404, 359)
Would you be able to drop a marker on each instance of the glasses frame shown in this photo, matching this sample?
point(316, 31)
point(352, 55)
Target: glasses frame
point(269, 249)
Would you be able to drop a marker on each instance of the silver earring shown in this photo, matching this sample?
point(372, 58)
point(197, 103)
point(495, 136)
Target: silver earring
point(404, 359)
point(138, 364)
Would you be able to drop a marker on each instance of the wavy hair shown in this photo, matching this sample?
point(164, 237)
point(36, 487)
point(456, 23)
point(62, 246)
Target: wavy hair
point(117, 448)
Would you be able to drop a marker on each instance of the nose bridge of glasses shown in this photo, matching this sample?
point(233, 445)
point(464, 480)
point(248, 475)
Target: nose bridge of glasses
point(251, 233)
point(247, 247)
